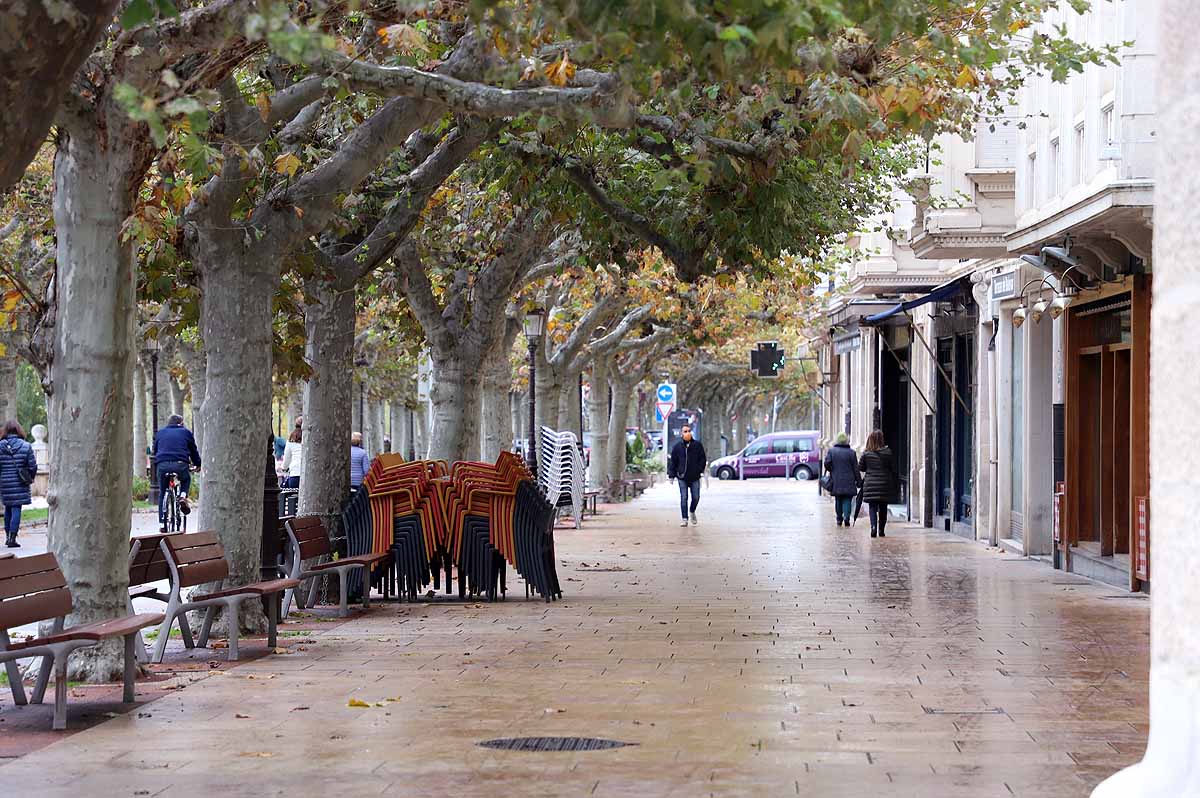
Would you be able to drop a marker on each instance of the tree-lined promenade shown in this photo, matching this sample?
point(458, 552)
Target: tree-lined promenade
point(275, 195)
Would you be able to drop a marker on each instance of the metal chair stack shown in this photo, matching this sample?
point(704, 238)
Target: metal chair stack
point(472, 518)
point(561, 472)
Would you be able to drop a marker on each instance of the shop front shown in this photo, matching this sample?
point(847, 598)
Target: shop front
point(1107, 486)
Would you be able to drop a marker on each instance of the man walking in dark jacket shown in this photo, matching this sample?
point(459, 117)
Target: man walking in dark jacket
point(174, 452)
point(687, 463)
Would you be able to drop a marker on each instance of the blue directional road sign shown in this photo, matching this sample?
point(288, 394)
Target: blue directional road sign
point(666, 392)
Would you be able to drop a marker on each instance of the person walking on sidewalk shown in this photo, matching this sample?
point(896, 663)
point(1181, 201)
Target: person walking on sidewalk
point(687, 464)
point(841, 463)
point(879, 480)
point(18, 466)
point(360, 463)
point(293, 458)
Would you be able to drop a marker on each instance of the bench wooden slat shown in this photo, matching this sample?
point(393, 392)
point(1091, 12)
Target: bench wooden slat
point(201, 572)
point(19, 566)
point(195, 554)
point(31, 583)
point(191, 540)
point(149, 572)
point(38, 607)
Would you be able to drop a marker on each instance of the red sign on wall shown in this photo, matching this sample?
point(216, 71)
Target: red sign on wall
point(1141, 520)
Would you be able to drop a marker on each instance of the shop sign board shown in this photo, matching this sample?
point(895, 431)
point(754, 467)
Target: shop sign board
point(1141, 519)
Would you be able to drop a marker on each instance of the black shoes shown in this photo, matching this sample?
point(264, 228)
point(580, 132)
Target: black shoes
point(11, 542)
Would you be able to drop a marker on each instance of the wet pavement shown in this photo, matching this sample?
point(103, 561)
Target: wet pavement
point(765, 652)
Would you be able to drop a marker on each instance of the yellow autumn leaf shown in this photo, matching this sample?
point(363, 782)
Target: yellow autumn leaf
point(561, 71)
point(1018, 25)
point(404, 38)
point(966, 77)
point(354, 702)
point(287, 164)
point(263, 103)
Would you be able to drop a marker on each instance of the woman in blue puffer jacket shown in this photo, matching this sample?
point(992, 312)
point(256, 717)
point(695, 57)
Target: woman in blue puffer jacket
point(16, 456)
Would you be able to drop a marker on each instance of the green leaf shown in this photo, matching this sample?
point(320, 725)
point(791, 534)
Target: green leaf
point(138, 12)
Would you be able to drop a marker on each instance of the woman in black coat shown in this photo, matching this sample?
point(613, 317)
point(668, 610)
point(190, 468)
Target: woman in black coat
point(879, 480)
point(16, 460)
point(842, 465)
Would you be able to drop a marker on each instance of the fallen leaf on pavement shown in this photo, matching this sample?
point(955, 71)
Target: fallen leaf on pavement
point(354, 702)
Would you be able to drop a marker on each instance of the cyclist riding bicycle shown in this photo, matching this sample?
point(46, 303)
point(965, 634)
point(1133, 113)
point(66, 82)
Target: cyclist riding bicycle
point(175, 454)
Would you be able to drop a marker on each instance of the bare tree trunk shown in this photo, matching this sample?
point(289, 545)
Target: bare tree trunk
point(329, 350)
point(295, 406)
point(196, 365)
point(517, 408)
point(456, 398)
point(497, 418)
point(8, 387)
point(622, 398)
point(598, 417)
point(177, 393)
point(237, 403)
point(91, 418)
point(356, 407)
point(497, 426)
point(373, 434)
point(139, 421)
point(421, 426)
point(398, 427)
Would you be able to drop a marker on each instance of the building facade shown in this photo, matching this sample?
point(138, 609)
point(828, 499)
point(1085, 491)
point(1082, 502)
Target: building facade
point(1002, 345)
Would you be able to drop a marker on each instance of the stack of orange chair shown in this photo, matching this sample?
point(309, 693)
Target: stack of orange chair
point(433, 517)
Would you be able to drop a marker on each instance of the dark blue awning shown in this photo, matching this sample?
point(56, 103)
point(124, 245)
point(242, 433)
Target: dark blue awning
point(942, 293)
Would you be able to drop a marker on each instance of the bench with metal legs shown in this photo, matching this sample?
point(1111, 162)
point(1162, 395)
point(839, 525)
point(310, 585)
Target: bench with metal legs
point(308, 539)
point(33, 589)
point(198, 558)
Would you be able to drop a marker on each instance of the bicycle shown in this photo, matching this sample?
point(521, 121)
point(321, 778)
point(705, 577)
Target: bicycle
point(176, 506)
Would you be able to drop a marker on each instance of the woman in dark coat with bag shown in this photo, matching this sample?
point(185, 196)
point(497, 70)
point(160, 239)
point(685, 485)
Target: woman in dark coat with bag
point(841, 463)
point(17, 463)
point(879, 480)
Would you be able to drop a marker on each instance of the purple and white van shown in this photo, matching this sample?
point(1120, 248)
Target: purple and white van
point(777, 454)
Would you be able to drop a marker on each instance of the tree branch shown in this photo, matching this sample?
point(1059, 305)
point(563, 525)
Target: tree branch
point(602, 102)
point(419, 186)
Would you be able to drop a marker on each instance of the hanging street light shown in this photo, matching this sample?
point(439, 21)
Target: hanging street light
point(1019, 316)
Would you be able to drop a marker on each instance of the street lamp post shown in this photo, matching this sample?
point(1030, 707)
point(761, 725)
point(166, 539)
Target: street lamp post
point(154, 424)
point(534, 323)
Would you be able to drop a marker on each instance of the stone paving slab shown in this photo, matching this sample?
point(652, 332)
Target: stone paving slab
point(765, 652)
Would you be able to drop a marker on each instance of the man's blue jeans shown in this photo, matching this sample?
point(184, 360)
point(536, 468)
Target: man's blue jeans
point(684, 488)
point(184, 476)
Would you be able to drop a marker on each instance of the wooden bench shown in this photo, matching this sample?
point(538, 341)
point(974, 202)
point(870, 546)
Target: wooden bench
point(197, 558)
point(590, 499)
point(308, 539)
point(33, 589)
point(147, 565)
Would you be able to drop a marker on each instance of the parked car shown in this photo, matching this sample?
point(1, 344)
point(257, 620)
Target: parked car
point(776, 454)
point(656, 439)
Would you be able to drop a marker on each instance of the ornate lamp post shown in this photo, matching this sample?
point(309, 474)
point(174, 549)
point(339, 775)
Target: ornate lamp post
point(535, 321)
point(154, 423)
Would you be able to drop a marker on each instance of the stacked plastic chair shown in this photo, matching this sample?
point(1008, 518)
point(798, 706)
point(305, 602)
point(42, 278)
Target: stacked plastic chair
point(561, 472)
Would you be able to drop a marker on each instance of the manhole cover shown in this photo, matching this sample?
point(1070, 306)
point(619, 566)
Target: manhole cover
point(553, 744)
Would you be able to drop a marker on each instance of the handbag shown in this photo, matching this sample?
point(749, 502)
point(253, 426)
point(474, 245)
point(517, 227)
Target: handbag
point(23, 474)
point(827, 482)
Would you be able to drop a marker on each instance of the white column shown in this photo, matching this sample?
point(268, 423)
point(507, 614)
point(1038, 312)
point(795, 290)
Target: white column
point(1171, 766)
point(1038, 484)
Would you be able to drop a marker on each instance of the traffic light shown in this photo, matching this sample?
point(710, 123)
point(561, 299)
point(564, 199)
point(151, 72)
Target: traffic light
point(766, 359)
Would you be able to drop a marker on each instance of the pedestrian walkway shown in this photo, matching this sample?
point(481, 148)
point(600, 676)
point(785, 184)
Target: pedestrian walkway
point(765, 652)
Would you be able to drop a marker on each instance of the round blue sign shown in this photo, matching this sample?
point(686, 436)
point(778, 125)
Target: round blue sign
point(666, 392)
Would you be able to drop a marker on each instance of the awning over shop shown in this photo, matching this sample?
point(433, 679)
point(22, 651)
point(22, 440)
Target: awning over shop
point(943, 293)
